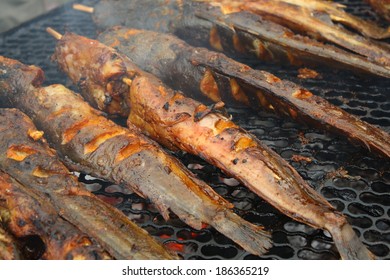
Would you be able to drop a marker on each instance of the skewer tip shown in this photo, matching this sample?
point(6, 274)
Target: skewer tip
point(54, 33)
point(83, 8)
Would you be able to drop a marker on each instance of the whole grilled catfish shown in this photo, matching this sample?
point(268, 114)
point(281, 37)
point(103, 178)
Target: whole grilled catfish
point(176, 121)
point(202, 73)
point(25, 155)
point(28, 212)
point(233, 29)
point(92, 144)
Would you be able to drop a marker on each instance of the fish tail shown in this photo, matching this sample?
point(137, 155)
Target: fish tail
point(348, 243)
point(250, 237)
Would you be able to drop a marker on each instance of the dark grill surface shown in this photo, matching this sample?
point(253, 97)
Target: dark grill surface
point(354, 181)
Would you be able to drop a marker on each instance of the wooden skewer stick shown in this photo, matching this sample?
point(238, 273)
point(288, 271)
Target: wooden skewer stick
point(54, 33)
point(83, 8)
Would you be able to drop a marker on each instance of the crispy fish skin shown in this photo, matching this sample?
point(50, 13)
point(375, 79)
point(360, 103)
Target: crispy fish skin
point(177, 121)
point(8, 248)
point(25, 154)
point(94, 145)
point(206, 73)
point(31, 213)
point(237, 34)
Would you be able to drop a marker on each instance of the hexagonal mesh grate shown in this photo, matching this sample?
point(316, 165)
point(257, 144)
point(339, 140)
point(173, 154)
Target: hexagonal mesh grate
point(355, 182)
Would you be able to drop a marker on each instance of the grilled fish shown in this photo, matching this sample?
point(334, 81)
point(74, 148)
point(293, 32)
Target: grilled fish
point(246, 34)
point(92, 144)
point(180, 122)
point(27, 212)
point(201, 73)
point(25, 155)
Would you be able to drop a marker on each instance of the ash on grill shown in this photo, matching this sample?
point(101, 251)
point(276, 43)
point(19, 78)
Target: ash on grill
point(354, 181)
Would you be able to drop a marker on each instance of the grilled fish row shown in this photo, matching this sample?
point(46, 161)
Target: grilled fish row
point(49, 202)
point(236, 28)
point(209, 74)
point(113, 83)
point(91, 144)
point(303, 19)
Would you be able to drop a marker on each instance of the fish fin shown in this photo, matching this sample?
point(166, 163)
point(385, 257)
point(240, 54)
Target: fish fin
point(250, 237)
point(348, 243)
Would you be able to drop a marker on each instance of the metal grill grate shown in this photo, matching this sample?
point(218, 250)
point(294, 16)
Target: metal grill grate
point(355, 182)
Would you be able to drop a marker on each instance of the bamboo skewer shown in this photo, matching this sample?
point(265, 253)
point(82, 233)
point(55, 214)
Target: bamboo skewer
point(54, 33)
point(83, 8)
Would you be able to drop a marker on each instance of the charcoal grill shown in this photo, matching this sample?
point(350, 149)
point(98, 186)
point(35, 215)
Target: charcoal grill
point(353, 180)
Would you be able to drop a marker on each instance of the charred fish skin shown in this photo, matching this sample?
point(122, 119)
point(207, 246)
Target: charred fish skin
point(31, 213)
point(238, 34)
point(177, 121)
point(25, 154)
point(8, 245)
point(212, 75)
point(94, 145)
